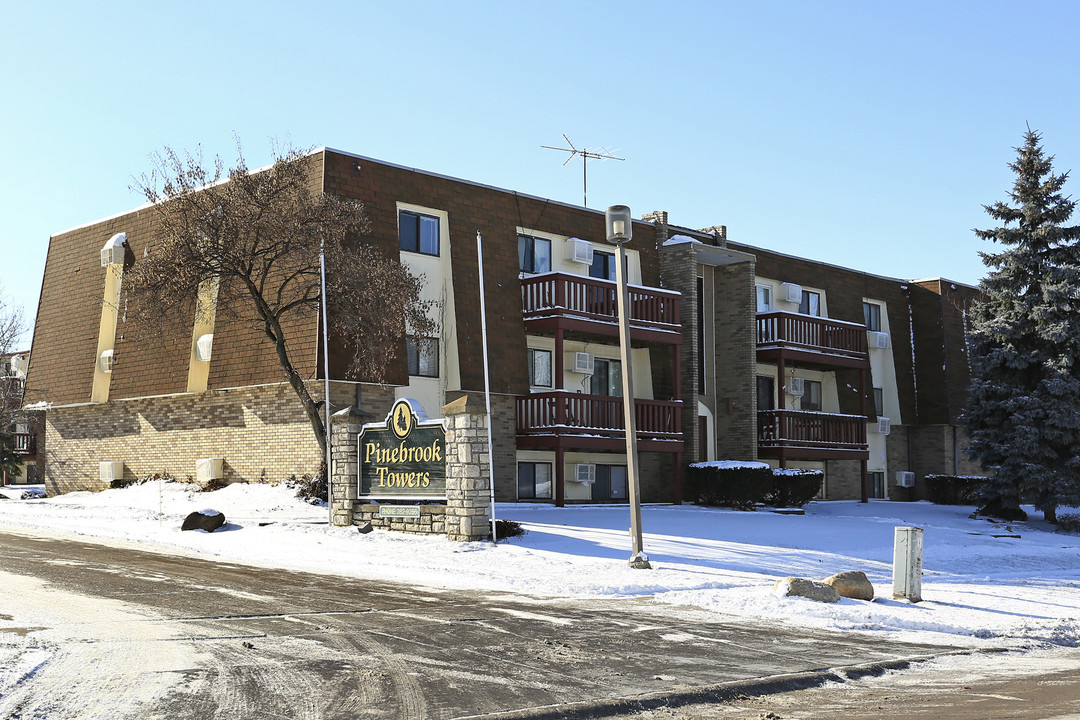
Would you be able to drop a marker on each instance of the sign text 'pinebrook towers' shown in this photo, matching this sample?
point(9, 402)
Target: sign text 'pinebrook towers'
point(403, 456)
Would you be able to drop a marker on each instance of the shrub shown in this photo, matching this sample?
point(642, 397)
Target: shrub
point(312, 490)
point(122, 483)
point(954, 489)
point(1069, 523)
point(739, 485)
point(794, 487)
point(508, 529)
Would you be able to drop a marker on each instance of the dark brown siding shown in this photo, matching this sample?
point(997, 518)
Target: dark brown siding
point(70, 312)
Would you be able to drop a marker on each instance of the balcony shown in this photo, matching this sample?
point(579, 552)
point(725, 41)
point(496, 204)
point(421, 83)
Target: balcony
point(12, 388)
point(25, 444)
point(811, 435)
point(811, 340)
point(566, 419)
point(553, 301)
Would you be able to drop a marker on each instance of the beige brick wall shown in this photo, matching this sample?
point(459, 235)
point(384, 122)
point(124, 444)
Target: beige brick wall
point(735, 307)
point(261, 433)
point(843, 480)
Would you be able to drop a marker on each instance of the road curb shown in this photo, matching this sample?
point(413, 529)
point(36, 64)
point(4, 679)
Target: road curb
point(720, 692)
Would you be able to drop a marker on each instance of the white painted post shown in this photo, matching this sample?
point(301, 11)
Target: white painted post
point(907, 563)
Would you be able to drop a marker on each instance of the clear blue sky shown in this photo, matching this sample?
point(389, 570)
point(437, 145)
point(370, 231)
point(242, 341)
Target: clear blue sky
point(864, 134)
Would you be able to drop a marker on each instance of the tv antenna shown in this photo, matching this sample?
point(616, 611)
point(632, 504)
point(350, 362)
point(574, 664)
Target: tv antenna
point(600, 153)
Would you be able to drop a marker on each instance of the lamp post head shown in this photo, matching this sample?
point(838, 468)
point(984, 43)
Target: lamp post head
point(619, 225)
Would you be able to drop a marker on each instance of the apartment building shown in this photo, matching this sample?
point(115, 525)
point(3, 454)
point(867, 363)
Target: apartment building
point(123, 407)
point(737, 353)
point(22, 425)
point(805, 364)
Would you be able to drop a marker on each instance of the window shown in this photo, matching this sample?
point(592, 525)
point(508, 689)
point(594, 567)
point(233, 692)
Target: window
point(879, 401)
point(765, 393)
point(606, 378)
point(603, 265)
point(534, 480)
point(423, 356)
point(876, 481)
point(764, 298)
point(810, 304)
point(418, 233)
point(540, 368)
point(811, 399)
point(872, 316)
point(610, 483)
point(534, 254)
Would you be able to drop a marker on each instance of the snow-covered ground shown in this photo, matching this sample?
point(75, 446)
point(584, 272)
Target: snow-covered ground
point(981, 585)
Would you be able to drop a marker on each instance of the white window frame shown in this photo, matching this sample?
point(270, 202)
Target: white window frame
point(432, 355)
point(770, 293)
point(532, 354)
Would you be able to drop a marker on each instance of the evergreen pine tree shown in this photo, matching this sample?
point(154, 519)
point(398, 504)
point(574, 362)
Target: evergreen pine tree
point(1023, 412)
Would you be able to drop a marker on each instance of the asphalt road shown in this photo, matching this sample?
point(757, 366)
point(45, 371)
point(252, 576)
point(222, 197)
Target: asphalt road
point(209, 640)
point(1040, 684)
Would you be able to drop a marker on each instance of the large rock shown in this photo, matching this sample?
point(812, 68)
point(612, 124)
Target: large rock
point(806, 588)
point(208, 520)
point(851, 584)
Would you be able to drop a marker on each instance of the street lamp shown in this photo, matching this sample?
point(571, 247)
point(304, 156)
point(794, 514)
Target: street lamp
point(619, 232)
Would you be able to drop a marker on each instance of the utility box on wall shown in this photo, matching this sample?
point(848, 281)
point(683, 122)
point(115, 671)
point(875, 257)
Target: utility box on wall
point(109, 471)
point(207, 469)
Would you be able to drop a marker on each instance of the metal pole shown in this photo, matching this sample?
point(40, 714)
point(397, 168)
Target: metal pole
point(326, 379)
point(487, 384)
point(638, 559)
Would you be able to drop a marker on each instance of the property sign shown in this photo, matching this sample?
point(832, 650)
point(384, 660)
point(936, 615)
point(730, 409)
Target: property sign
point(403, 456)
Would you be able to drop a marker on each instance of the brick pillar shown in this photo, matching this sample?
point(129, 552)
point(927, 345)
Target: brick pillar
point(468, 472)
point(345, 426)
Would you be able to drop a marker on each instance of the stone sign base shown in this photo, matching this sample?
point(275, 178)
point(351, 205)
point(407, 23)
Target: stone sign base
point(468, 477)
point(432, 520)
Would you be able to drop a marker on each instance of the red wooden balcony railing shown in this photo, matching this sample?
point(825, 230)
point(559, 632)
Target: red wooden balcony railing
point(807, 332)
point(811, 429)
point(562, 294)
point(25, 443)
point(578, 413)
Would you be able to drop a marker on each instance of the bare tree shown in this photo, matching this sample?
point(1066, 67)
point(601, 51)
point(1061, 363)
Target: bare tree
point(258, 236)
point(11, 387)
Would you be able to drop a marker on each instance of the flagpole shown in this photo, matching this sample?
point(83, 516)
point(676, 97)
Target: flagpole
point(487, 384)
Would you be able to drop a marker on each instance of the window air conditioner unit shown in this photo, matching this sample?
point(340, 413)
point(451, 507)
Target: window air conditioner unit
point(113, 252)
point(109, 471)
point(879, 340)
point(209, 469)
point(583, 363)
point(584, 473)
point(579, 251)
point(796, 386)
point(905, 479)
point(105, 362)
point(884, 425)
point(791, 292)
point(203, 346)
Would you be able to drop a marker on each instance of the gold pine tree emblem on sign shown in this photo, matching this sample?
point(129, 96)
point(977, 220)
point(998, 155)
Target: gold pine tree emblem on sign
point(402, 421)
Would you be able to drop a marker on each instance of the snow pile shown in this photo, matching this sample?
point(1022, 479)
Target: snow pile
point(980, 581)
